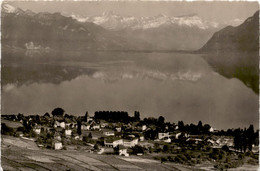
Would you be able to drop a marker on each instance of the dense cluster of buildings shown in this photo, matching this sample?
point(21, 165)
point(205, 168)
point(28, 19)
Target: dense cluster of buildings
point(108, 134)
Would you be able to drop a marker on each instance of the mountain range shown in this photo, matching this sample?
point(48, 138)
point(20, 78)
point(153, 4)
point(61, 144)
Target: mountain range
point(106, 32)
point(187, 32)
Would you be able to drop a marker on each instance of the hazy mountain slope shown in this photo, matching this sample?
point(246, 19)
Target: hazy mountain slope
point(233, 52)
point(25, 29)
point(244, 37)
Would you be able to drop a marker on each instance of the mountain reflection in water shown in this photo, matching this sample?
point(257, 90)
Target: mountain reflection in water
point(174, 85)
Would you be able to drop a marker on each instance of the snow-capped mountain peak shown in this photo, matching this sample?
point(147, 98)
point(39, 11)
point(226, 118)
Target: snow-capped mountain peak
point(8, 8)
point(111, 20)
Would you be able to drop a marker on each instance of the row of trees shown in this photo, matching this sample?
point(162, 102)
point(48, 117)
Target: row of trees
point(194, 129)
point(245, 138)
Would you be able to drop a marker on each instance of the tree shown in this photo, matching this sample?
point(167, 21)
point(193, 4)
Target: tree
point(161, 120)
point(181, 125)
point(137, 116)
point(20, 116)
point(57, 112)
point(137, 149)
point(200, 126)
point(79, 127)
point(166, 148)
point(251, 137)
point(206, 128)
point(37, 119)
point(5, 130)
point(90, 135)
point(86, 116)
point(96, 147)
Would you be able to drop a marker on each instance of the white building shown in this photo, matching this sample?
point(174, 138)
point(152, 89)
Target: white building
point(123, 151)
point(57, 145)
point(144, 127)
point(59, 124)
point(113, 143)
point(163, 135)
point(37, 130)
point(177, 135)
point(109, 133)
point(167, 139)
point(68, 132)
point(130, 143)
point(118, 129)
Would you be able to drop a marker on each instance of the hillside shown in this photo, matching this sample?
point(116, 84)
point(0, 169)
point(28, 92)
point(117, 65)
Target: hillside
point(244, 37)
point(233, 52)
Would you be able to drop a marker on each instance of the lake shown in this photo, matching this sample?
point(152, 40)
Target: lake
point(178, 86)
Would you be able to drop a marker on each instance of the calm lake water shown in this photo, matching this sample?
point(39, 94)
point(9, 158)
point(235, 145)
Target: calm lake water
point(175, 85)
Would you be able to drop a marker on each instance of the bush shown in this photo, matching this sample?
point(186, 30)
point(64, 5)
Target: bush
point(137, 149)
point(225, 148)
point(6, 130)
point(165, 148)
point(163, 159)
point(170, 158)
point(241, 156)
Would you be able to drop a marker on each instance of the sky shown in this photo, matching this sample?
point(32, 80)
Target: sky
point(212, 11)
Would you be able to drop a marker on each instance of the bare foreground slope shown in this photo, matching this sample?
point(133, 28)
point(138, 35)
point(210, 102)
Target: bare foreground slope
point(23, 154)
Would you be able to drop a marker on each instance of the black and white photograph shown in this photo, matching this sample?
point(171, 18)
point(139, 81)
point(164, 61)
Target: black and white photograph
point(129, 85)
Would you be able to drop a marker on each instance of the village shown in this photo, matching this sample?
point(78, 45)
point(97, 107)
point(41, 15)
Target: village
point(117, 133)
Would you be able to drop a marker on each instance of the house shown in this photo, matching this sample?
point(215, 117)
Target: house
point(57, 136)
point(68, 132)
point(167, 140)
point(118, 129)
point(141, 138)
point(37, 130)
point(77, 137)
point(113, 142)
point(144, 127)
point(59, 124)
point(130, 142)
point(90, 125)
point(57, 145)
point(109, 133)
point(194, 140)
point(163, 135)
point(211, 129)
point(103, 123)
point(177, 135)
point(85, 127)
point(123, 151)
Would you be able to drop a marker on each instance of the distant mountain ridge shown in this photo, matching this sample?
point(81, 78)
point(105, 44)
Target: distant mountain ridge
point(244, 37)
point(162, 32)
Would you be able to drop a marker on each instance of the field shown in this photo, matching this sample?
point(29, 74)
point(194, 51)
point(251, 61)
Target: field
point(23, 154)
